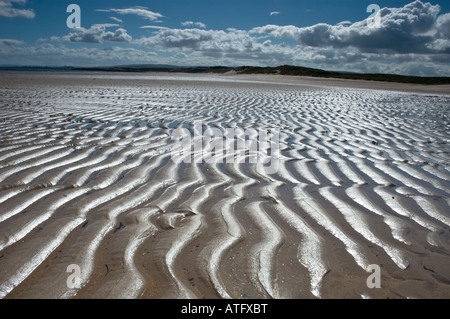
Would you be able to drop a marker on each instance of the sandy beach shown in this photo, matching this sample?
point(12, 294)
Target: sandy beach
point(88, 182)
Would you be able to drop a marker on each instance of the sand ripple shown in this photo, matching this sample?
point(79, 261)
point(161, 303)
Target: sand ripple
point(87, 178)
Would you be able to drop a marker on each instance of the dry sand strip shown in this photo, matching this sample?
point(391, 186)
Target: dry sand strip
point(88, 182)
point(344, 83)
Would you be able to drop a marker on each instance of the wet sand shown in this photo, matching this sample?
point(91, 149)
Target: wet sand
point(87, 179)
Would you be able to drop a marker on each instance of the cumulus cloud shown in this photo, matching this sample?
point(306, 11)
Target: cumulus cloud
point(139, 11)
point(192, 24)
point(441, 41)
point(7, 9)
point(443, 26)
point(98, 34)
point(402, 30)
point(229, 45)
point(178, 38)
point(413, 38)
point(275, 13)
point(84, 56)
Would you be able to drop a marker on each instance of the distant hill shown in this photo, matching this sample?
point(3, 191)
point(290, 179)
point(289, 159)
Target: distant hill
point(282, 70)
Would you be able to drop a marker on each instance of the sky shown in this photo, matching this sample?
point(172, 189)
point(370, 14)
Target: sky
point(404, 37)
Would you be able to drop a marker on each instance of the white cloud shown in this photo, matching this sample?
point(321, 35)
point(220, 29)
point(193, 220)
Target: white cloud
point(233, 45)
point(178, 38)
point(97, 34)
point(402, 30)
point(139, 11)
point(157, 27)
point(62, 55)
point(275, 13)
point(7, 9)
point(414, 39)
point(344, 23)
point(10, 42)
point(407, 38)
point(104, 25)
point(193, 24)
point(9, 47)
point(116, 19)
point(443, 26)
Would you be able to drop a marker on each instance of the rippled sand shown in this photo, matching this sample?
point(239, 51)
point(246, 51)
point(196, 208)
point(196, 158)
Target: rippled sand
point(86, 178)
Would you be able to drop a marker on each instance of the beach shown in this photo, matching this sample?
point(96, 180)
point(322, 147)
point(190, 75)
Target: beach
point(97, 199)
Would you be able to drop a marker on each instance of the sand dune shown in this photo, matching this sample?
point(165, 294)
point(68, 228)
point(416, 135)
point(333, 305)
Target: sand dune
point(87, 178)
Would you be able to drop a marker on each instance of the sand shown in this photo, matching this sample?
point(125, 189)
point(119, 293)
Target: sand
point(88, 181)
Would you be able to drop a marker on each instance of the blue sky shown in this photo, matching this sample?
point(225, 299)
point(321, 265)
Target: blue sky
point(410, 37)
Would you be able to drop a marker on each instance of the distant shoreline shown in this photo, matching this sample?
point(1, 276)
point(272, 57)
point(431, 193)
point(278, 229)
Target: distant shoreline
point(109, 78)
point(246, 70)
